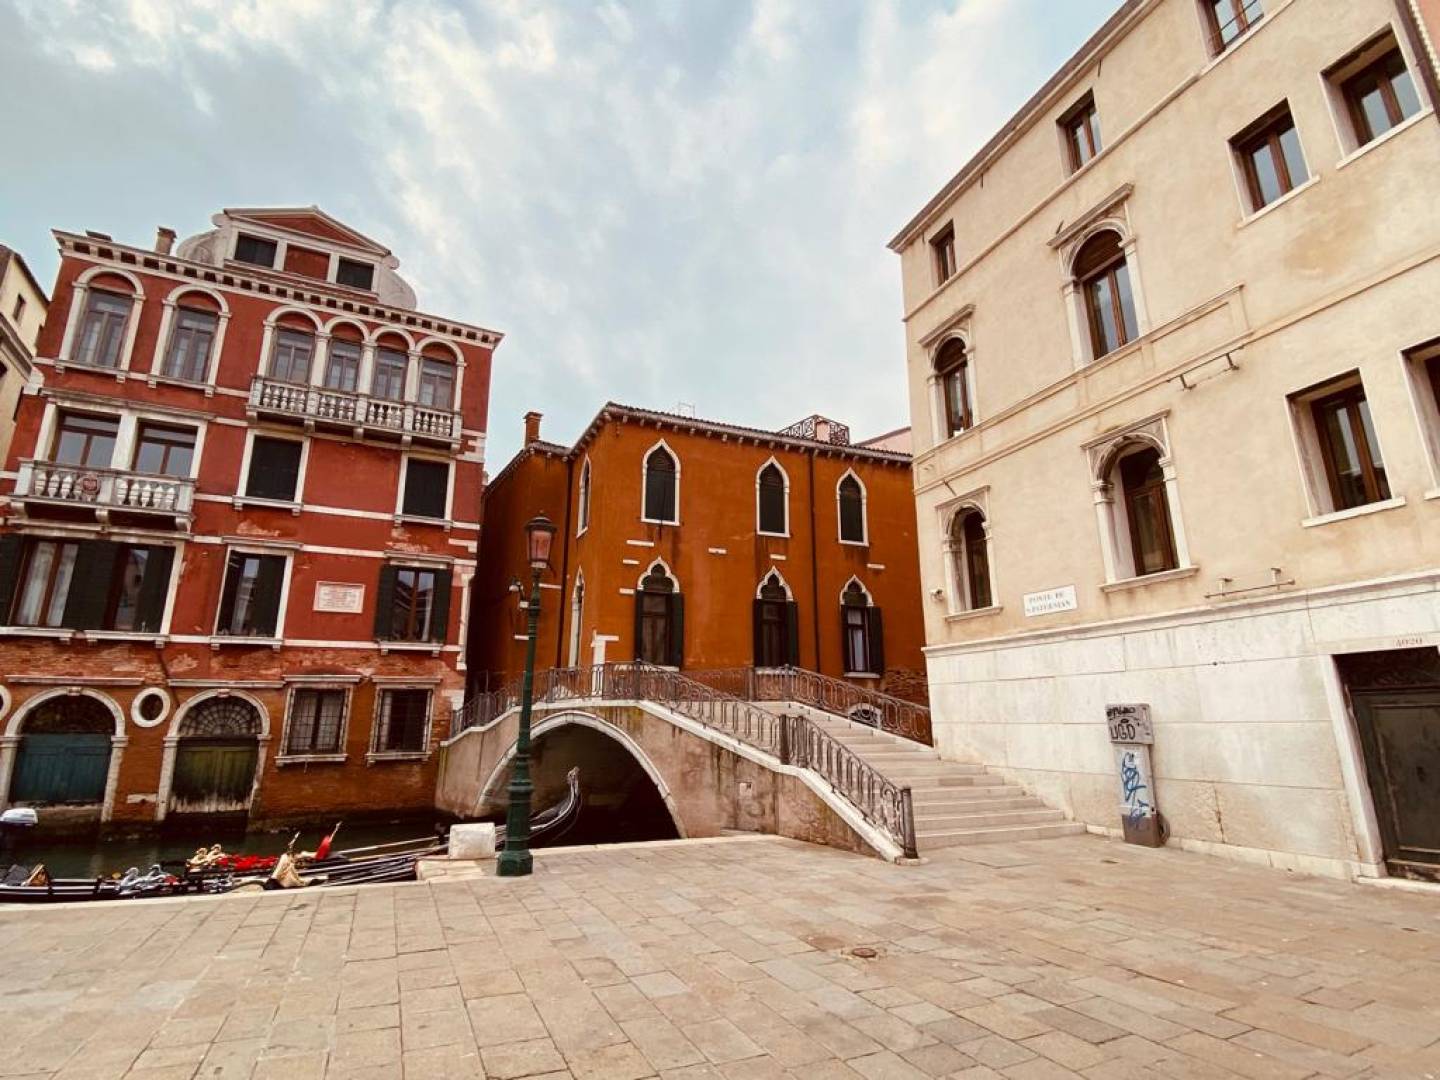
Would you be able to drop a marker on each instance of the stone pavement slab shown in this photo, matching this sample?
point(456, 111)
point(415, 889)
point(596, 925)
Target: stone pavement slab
point(736, 961)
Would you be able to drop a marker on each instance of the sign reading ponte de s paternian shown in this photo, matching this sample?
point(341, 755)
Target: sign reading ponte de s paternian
point(1050, 601)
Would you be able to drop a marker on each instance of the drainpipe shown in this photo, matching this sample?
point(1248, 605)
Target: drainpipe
point(814, 564)
point(564, 568)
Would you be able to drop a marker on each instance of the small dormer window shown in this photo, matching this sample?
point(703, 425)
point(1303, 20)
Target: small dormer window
point(255, 250)
point(358, 275)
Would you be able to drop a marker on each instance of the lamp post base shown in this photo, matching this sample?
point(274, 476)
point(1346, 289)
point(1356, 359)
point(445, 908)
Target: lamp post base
point(513, 864)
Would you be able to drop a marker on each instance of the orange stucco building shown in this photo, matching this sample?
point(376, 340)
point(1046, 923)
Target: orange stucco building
point(701, 545)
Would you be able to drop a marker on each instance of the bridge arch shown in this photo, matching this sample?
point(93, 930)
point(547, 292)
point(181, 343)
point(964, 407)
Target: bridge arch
point(575, 718)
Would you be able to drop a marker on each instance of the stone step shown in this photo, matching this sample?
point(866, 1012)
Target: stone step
point(943, 771)
point(942, 803)
point(885, 752)
point(932, 824)
point(996, 834)
point(929, 791)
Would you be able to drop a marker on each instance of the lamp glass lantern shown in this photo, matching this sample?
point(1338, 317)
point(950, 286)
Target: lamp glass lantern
point(539, 535)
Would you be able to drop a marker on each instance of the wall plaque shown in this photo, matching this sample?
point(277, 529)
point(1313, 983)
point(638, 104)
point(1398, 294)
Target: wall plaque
point(340, 597)
point(1050, 601)
point(1130, 724)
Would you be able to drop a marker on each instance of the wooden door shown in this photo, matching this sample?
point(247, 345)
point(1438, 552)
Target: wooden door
point(213, 776)
point(1400, 733)
point(62, 768)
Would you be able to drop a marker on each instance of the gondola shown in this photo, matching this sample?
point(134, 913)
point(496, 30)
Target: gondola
point(353, 866)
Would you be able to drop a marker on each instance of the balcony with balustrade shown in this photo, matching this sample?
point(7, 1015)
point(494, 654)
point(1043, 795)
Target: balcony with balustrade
point(110, 496)
point(361, 415)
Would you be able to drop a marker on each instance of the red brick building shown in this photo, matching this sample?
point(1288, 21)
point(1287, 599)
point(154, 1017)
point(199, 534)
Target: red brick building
point(238, 524)
point(700, 545)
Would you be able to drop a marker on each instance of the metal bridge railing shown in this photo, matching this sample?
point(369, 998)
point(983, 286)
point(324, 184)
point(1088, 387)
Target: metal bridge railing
point(794, 740)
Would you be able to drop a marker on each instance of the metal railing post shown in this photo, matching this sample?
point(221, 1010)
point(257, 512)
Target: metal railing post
point(784, 740)
point(907, 823)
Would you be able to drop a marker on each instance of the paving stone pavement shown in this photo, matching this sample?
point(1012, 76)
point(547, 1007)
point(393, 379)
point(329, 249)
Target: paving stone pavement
point(732, 961)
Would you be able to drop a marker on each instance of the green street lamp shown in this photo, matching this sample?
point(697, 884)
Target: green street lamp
point(514, 859)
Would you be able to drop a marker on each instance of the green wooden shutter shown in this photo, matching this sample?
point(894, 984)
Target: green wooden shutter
point(638, 650)
point(846, 651)
point(11, 554)
point(265, 609)
point(385, 604)
point(757, 627)
point(233, 564)
point(90, 583)
point(677, 630)
point(154, 587)
point(792, 633)
point(875, 633)
point(440, 612)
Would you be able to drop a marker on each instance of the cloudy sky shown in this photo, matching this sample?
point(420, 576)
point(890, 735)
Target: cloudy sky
point(657, 202)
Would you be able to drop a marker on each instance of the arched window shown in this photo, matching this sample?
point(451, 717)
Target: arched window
point(862, 632)
point(952, 368)
point(776, 624)
point(193, 331)
point(773, 508)
point(659, 620)
point(662, 485)
point(1104, 280)
point(852, 510)
point(436, 389)
point(577, 620)
point(392, 363)
point(1147, 511)
point(582, 512)
point(219, 717)
point(342, 359)
point(103, 324)
point(970, 560)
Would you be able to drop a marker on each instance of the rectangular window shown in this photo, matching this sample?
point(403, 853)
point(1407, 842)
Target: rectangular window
point(342, 366)
point(388, 381)
point(316, 719)
point(857, 639)
point(414, 600)
point(18, 310)
point(1349, 449)
point(164, 451)
point(1380, 96)
point(1229, 20)
point(86, 440)
point(250, 598)
point(190, 344)
point(1081, 127)
point(102, 329)
point(44, 583)
point(357, 275)
point(437, 384)
point(1270, 157)
point(943, 247)
point(254, 250)
point(274, 469)
point(426, 486)
point(400, 725)
point(127, 588)
point(290, 356)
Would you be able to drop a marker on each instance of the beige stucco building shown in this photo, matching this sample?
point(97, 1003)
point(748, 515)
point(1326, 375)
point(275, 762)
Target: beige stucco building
point(22, 312)
point(1172, 350)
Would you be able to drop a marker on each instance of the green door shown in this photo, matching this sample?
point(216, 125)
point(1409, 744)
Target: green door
point(61, 768)
point(213, 776)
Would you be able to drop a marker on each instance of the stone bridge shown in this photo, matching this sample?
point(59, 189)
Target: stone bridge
point(705, 781)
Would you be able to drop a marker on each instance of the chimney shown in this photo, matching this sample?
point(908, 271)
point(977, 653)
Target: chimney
point(532, 427)
point(164, 240)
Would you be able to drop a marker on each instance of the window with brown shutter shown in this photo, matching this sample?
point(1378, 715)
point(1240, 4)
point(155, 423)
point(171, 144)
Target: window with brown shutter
point(358, 275)
point(953, 370)
point(1081, 128)
point(1349, 449)
point(274, 471)
point(1270, 157)
point(426, 486)
point(771, 497)
point(1147, 510)
point(255, 250)
point(943, 249)
point(1104, 280)
point(250, 595)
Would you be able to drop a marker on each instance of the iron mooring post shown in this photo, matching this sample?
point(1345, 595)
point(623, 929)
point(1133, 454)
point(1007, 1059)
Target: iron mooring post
point(907, 812)
point(515, 860)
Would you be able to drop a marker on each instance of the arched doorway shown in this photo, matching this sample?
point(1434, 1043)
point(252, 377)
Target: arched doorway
point(65, 747)
point(215, 759)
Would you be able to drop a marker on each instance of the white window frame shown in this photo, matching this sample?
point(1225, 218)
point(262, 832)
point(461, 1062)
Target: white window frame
point(80, 302)
point(130, 417)
point(168, 318)
point(273, 327)
point(864, 541)
point(1423, 401)
point(1311, 458)
point(577, 617)
point(420, 519)
point(854, 579)
point(282, 608)
point(374, 755)
point(1105, 455)
point(1372, 46)
point(774, 571)
point(298, 683)
point(242, 496)
point(784, 476)
point(1248, 211)
point(457, 360)
point(1110, 214)
point(644, 476)
point(584, 492)
point(958, 587)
